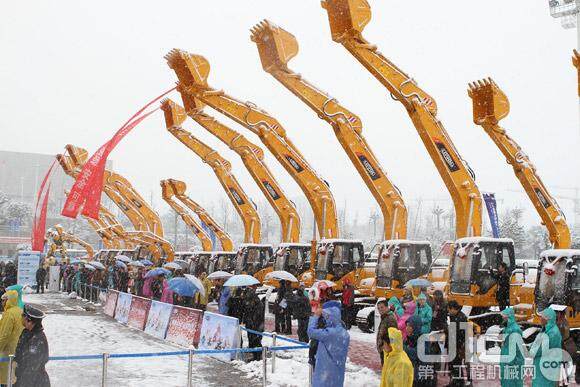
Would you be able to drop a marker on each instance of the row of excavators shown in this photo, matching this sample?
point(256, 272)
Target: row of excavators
point(465, 269)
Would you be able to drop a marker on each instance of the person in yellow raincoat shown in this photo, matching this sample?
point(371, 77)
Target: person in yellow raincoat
point(202, 299)
point(10, 329)
point(398, 369)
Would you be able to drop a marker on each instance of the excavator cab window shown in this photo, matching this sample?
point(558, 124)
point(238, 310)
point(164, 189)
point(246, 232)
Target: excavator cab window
point(461, 269)
point(552, 286)
point(338, 259)
point(386, 265)
point(281, 259)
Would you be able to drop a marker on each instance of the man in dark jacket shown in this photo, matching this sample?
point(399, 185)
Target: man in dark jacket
point(282, 317)
point(31, 353)
point(455, 335)
point(388, 320)
point(253, 318)
point(300, 307)
point(503, 286)
point(40, 279)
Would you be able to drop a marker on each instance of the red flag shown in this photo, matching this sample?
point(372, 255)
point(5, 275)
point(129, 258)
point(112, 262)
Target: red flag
point(40, 229)
point(44, 180)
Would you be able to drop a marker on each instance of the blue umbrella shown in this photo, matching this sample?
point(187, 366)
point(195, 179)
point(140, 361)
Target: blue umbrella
point(418, 282)
point(157, 271)
point(182, 286)
point(241, 280)
point(146, 262)
point(120, 264)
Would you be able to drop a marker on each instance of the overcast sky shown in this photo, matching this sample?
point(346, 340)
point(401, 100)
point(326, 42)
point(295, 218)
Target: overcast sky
point(73, 72)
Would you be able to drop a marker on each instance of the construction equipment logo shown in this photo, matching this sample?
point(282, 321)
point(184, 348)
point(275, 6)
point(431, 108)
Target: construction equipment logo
point(237, 196)
point(294, 164)
point(542, 198)
point(271, 190)
point(446, 156)
point(373, 173)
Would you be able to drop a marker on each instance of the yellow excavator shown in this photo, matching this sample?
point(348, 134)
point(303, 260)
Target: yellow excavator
point(254, 258)
point(474, 258)
point(402, 259)
point(59, 237)
point(292, 256)
point(333, 258)
point(557, 271)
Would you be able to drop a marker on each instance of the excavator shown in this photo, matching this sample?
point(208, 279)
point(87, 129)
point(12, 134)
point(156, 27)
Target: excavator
point(402, 259)
point(557, 275)
point(332, 258)
point(254, 258)
point(208, 261)
point(292, 256)
point(59, 237)
point(474, 258)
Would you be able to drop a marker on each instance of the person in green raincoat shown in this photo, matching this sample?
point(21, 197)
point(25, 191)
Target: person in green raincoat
point(511, 364)
point(18, 289)
point(395, 305)
point(547, 352)
point(425, 312)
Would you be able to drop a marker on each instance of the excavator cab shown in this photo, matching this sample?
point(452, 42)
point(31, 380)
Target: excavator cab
point(222, 261)
point(338, 258)
point(473, 266)
point(253, 259)
point(200, 262)
point(292, 257)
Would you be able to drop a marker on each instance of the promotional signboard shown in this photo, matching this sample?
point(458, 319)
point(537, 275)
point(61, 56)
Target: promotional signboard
point(28, 262)
point(219, 332)
point(123, 306)
point(53, 278)
point(158, 319)
point(138, 312)
point(111, 303)
point(184, 326)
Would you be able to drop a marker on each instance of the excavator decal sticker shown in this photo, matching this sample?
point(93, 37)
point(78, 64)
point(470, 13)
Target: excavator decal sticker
point(294, 164)
point(236, 196)
point(271, 190)
point(542, 198)
point(446, 156)
point(373, 173)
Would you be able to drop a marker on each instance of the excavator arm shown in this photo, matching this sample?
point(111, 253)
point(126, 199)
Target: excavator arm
point(253, 158)
point(490, 105)
point(178, 188)
point(168, 194)
point(276, 47)
point(222, 168)
point(101, 229)
point(347, 20)
point(576, 63)
point(67, 237)
point(192, 72)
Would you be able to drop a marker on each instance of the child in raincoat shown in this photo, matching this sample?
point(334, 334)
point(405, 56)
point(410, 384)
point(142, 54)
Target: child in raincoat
point(511, 364)
point(547, 352)
point(398, 369)
point(10, 329)
point(333, 341)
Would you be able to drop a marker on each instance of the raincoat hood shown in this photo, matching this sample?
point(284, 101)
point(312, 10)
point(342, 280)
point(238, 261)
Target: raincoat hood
point(421, 297)
point(18, 289)
point(11, 298)
point(396, 340)
point(332, 316)
point(549, 315)
point(332, 304)
point(511, 325)
point(394, 301)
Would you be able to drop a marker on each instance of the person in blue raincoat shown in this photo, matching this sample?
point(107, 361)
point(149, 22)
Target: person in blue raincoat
point(511, 364)
point(547, 351)
point(333, 341)
point(425, 312)
point(223, 299)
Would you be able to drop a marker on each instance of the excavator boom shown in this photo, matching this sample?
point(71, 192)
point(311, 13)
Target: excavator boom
point(490, 105)
point(276, 47)
point(576, 63)
point(222, 169)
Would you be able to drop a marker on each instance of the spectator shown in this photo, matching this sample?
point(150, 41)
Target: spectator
point(397, 369)
point(347, 302)
point(157, 287)
point(40, 279)
point(423, 372)
point(201, 300)
point(10, 330)
point(32, 351)
point(568, 343)
point(166, 293)
point(439, 320)
point(282, 317)
point(253, 318)
point(224, 295)
point(455, 335)
point(138, 282)
point(511, 364)
point(409, 308)
point(547, 361)
point(395, 305)
point(424, 311)
point(235, 304)
point(333, 341)
point(300, 307)
point(388, 320)
point(18, 289)
point(502, 294)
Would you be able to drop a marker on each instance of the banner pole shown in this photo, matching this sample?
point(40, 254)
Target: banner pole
point(274, 335)
point(190, 368)
point(310, 372)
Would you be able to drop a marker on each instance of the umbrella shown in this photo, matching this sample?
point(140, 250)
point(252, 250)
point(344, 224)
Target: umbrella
point(241, 280)
point(196, 282)
point(120, 264)
point(418, 282)
point(74, 261)
point(219, 275)
point(90, 267)
point(123, 258)
point(282, 275)
point(157, 271)
point(146, 262)
point(323, 284)
point(183, 287)
point(136, 264)
point(97, 265)
point(172, 265)
point(184, 265)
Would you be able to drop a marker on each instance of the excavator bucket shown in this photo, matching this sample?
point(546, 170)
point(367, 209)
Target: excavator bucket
point(64, 163)
point(78, 155)
point(276, 46)
point(174, 114)
point(191, 104)
point(178, 187)
point(167, 191)
point(190, 69)
point(576, 63)
point(347, 17)
point(490, 104)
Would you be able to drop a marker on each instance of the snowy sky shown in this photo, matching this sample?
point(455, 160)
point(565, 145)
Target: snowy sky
point(73, 72)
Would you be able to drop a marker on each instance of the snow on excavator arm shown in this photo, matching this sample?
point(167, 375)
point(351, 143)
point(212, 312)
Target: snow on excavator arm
point(276, 47)
point(192, 71)
point(347, 20)
point(490, 105)
point(253, 159)
point(179, 188)
point(167, 194)
point(222, 168)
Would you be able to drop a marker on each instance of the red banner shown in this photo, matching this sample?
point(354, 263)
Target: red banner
point(138, 312)
point(39, 228)
point(111, 303)
point(184, 326)
point(34, 224)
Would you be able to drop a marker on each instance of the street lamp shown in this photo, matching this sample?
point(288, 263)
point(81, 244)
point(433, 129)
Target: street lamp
point(567, 11)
